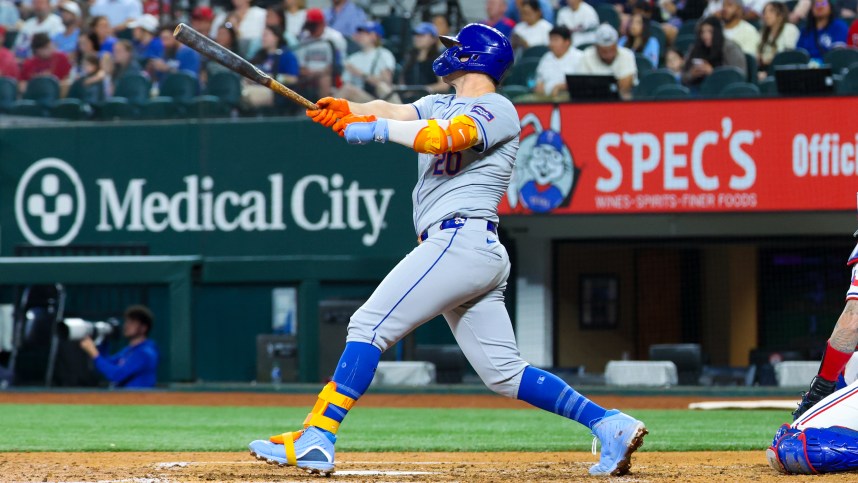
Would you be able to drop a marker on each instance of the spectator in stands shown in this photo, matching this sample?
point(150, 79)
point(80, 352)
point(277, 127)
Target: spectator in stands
point(639, 40)
point(9, 15)
point(153, 7)
point(45, 61)
point(147, 44)
point(248, 21)
point(823, 31)
point(533, 29)
point(417, 68)
point(847, 10)
point(276, 17)
point(754, 9)
point(226, 37)
point(345, 17)
point(94, 78)
point(442, 25)
point(652, 12)
point(607, 58)
point(8, 62)
point(100, 26)
point(852, 35)
point(86, 44)
point(296, 16)
point(317, 55)
point(674, 61)
point(710, 51)
point(136, 365)
point(124, 62)
point(713, 9)
point(581, 19)
point(513, 10)
point(678, 12)
point(777, 35)
point(176, 57)
point(561, 60)
point(737, 29)
point(275, 59)
point(66, 41)
point(368, 73)
point(317, 28)
point(42, 21)
point(119, 13)
point(496, 17)
point(202, 19)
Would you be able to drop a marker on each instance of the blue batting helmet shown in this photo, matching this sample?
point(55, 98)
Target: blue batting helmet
point(487, 50)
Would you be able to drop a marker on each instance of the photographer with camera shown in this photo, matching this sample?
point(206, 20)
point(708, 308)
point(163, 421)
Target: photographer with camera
point(136, 365)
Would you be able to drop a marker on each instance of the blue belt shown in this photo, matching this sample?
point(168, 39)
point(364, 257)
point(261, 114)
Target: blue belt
point(456, 223)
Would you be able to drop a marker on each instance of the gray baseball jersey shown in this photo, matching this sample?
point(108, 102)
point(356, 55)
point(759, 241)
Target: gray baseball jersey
point(470, 183)
point(460, 272)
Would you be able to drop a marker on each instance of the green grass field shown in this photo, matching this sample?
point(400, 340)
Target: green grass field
point(196, 428)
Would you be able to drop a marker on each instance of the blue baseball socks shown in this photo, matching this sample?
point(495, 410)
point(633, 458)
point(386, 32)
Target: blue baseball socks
point(547, 391)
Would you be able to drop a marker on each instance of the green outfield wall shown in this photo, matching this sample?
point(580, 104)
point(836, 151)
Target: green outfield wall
point(218, 213)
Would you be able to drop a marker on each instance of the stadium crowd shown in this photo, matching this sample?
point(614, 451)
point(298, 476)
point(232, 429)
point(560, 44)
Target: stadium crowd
point(121, 53)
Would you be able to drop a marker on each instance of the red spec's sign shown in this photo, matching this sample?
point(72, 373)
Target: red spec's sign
point(693, 156)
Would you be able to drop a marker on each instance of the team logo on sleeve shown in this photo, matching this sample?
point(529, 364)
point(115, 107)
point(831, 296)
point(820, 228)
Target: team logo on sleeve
point(545, 173)
point(483, 112)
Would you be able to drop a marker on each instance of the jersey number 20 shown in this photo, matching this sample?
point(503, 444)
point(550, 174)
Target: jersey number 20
point(447, 163)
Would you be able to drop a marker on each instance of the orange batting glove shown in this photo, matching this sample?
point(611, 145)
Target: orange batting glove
point(341, 124)
point(330, 110)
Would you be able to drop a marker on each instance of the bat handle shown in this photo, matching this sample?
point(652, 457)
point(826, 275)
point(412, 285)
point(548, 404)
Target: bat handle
point(286, 92)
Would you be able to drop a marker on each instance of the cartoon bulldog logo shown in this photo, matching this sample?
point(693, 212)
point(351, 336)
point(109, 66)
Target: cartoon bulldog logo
point(545, 173)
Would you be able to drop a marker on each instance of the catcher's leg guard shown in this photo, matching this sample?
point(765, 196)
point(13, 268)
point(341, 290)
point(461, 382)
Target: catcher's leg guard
point(772, 455)
point(819, 450)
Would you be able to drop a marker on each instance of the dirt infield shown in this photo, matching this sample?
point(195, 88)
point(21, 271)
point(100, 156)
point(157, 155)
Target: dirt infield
point(487, 401)
point(706, 467)
point(701, 467)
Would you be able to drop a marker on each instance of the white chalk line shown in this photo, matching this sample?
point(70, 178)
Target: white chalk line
point(185, 464)
point(182, 464)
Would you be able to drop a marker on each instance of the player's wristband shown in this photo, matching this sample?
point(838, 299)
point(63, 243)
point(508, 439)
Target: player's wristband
point(381, 132)
point(366, 132)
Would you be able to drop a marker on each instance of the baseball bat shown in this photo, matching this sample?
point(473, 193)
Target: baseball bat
point(220, 54)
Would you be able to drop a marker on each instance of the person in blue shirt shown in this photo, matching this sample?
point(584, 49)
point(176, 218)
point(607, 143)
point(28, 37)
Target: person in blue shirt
point(136, 365)
point(639, 40)
point(275, 58)
point(823, 31)
point(176, 57)
point(345, 17)
point(100, 26)
point(496, 17)
point(147, 44)
point(66, 41)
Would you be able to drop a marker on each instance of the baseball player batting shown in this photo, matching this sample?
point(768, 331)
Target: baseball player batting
point(466, 145)
point(823, 438)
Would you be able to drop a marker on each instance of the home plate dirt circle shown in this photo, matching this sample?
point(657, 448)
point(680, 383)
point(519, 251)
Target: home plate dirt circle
point(697, 467)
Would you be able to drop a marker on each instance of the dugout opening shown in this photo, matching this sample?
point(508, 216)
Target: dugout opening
point(613, 299)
